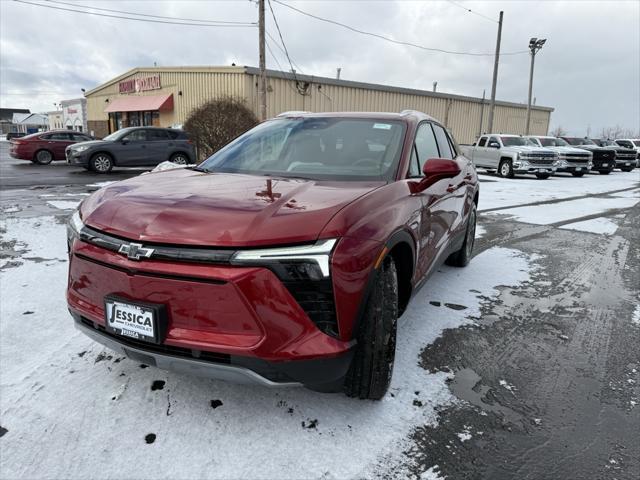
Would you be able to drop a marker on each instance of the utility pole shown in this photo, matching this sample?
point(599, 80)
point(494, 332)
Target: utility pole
point(535, 45)
point(262, 81)
point(481, 113)
point(495, 75)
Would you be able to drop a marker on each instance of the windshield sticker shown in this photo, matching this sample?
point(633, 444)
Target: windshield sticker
point(382, 126)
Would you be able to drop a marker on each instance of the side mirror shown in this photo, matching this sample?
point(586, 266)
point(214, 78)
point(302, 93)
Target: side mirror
point(124, 141)
point(494, 145)
point(435, 169)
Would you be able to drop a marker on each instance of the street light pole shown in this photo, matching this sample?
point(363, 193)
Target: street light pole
point(535, 44)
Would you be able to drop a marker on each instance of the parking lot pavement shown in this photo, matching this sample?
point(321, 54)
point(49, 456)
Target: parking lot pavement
point(23, 174)
point(525, 364)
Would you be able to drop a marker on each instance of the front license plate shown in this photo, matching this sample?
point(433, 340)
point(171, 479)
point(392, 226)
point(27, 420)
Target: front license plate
point(578, 169)
point(605, 164)
point(131, 320)
point(627, 164)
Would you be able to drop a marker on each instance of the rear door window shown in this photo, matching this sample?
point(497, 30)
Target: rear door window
point(60, 136)
point(157, 135)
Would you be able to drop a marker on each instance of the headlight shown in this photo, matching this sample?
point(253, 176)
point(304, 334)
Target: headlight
point(74, 226)
point(80, 148)
point(307, 261)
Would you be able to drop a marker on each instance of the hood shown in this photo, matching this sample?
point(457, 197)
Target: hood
point(188, 207)
point(592, 148)
point(89, 143)
point(529, 149)
point(566, 149)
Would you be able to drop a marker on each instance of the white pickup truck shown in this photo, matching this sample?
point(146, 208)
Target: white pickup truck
point(511, 154)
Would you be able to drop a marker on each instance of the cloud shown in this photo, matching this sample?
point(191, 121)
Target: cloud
point(589, 70)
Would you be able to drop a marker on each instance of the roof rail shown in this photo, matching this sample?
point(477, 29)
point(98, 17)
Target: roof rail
point(292, 113)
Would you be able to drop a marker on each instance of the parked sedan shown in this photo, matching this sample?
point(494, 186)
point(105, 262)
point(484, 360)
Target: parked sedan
point(44, 147)
point(133, 147)
point(284, 259)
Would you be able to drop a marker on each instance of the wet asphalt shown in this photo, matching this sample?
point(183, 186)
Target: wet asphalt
point(549, 377)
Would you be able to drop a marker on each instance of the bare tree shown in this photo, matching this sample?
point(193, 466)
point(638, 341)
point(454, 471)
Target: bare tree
point(558, 132)
point(217, 122)
point(619, 132)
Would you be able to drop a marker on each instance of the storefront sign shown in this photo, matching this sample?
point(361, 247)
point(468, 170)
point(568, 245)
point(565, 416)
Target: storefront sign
point(72, 110)
point(143, 84)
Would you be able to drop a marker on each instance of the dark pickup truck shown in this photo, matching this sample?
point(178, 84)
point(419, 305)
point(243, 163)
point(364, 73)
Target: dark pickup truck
point(604, 158)
point(625, 157)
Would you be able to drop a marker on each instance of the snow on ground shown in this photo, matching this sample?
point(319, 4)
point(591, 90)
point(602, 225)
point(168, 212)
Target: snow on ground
point(74, 410)
point(599, 225)
point(64, 204)
point(480, 230)
point(101, 184)
point(563, 211)
point(636, 315)
point(524, 189)
point(627, 194)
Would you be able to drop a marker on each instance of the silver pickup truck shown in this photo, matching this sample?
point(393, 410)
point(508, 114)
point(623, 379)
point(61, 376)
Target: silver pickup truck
point(511, 154)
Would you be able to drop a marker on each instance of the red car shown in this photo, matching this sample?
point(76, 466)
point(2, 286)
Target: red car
point(44, 147)
point(285, 258)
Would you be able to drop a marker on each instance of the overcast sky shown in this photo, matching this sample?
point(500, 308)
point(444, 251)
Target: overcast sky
point(589, 70)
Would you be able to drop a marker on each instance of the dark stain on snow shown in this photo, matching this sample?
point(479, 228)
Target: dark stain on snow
point(216, 403)
point(455, 306)
point(157, 385)
point(81, 354)
point(3, 431)
point(118, 360)
point(28, 312)
point(102, 356)
point(142, 365)
point(435, 304)
point(417, 403)
point(310, 423)
point(290, 411)
point(150, 438)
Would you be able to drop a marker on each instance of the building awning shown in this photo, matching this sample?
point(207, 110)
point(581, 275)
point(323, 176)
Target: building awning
point(141, 103)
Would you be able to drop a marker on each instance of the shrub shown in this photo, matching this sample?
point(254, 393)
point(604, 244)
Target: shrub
point(217, 122)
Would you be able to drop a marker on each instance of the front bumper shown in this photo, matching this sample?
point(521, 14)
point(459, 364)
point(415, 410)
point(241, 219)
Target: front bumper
point(626, 163)
point(574, 167)
point(320, 374)
point(245, 315)
point(77, 158)
point(523, 166)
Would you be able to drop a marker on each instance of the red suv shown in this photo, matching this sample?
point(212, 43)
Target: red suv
point(44, 147)
point(285, 258)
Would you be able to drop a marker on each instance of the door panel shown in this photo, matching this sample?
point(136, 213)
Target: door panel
point(157, 147)
point(131, 150)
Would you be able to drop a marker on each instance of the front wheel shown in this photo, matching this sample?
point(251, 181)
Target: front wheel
point(101, 163)
point(605, 172)
point(370, 372)
point(462, 257)
point(179, 159)
point(543, 176)
point(43, 157)
point(505, 169)
point(577, 174)
point(626, 169)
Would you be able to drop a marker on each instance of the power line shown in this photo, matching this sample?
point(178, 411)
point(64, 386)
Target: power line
point(286, 52)
point(277, 44)
point(152, 16)
point(132, 18)
point(388, 39)
point(471, 11)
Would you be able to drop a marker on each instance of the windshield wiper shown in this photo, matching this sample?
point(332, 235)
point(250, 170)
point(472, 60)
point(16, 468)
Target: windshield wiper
point(199, 169)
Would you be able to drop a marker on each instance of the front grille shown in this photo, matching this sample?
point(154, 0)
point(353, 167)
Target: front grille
point(315, 297)
point(161, 349)
point(625, 156)
point(540, 161)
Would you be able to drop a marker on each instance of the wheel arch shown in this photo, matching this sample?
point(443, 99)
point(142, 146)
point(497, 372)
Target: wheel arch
point(43, 149)
point(402, 249)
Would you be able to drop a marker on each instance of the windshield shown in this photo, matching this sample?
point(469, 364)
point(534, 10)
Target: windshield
point(625, 143)
point(579, 141)
point(516, 142)
point(553, 142)
point(316, 148)
point(608, 143)
point(636, 143)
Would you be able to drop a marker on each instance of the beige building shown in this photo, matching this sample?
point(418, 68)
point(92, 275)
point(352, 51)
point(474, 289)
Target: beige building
point(164, 96)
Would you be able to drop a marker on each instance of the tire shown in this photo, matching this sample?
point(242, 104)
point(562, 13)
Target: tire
point(101, 163)
point(505, 169)
point(462, 257)
point(370, 372)
point(43, 157)
point(180, 159)
point(577, 174)
point(543, 176)
point(605, 172)
point(626, 169)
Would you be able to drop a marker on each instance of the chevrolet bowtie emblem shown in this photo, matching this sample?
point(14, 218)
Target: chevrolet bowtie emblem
point(135, 251)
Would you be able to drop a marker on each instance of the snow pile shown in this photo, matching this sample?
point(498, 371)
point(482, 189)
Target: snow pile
point(166, 165)
point(62, 393)
point(64, 204)
point(601, 225)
